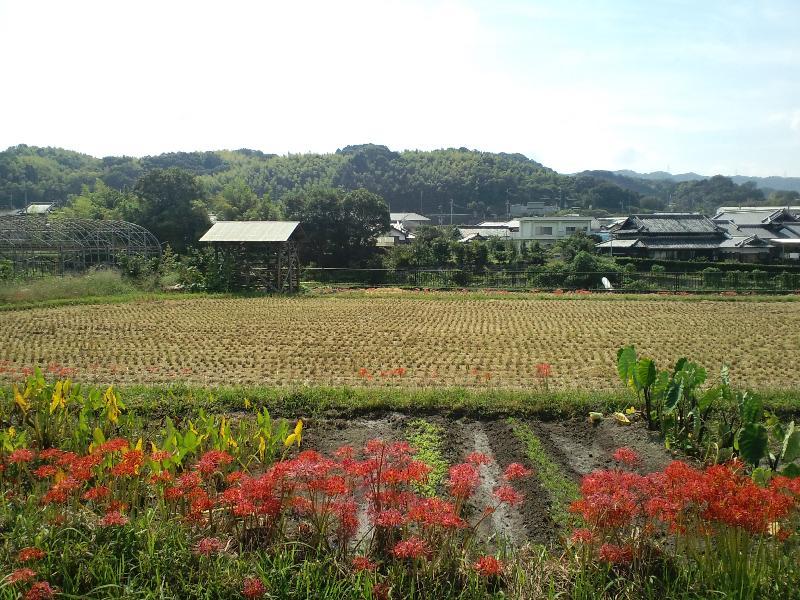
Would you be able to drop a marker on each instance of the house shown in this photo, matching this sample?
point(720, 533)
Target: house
point(778, 227)
point(469, 234)
point(409, 220)
point(532, 209)
point(38, 209)
point(547, 230)
point(396, 235)
point(682, 236)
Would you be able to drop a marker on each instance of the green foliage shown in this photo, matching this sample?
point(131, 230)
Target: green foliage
point(170, 206)
point(427, 439)
point(96, 283)
point(341, 226)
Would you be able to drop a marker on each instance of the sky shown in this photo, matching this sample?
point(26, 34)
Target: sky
point(711, 86)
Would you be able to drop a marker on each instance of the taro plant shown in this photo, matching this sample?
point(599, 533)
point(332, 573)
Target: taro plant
point(640, 376)
point(763, 438)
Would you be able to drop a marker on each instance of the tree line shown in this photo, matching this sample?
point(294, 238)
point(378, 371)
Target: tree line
point(479, 184)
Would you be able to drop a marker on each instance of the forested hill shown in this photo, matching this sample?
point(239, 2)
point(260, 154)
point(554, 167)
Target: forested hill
point(478, 183)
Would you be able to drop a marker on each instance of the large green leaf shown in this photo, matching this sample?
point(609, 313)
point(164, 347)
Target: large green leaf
point(790, 470)
point(674, 394)
point(712, 395)
point(753, 442)
point(626, 365)
point(751, 408)
point(646, 372)
point(791, 444)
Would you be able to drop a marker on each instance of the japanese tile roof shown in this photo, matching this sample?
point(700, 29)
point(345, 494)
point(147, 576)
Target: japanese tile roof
point(669, 224)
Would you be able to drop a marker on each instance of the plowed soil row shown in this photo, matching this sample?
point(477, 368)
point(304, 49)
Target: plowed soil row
point(576, 446)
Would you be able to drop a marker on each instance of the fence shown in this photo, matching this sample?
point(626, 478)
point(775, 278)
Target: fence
point(737, 281)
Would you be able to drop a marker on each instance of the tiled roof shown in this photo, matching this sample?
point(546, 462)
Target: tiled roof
point(669, 224)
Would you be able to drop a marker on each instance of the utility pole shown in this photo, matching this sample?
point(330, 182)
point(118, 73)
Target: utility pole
point(451, 211)
point(420, 201)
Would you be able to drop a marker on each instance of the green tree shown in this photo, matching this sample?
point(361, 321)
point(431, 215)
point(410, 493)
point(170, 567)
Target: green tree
point(238, 202)
point(170, 206)
point(341, 226)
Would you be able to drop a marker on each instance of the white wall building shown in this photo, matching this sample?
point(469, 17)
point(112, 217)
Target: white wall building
point(547, 230)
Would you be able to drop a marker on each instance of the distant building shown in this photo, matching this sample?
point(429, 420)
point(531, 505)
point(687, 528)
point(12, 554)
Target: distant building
point(532, 209)
point(469, 234)
point(38, 209)
point(396, 235)
point(682, 236)
point(409, 220)
point(547, 230)
point(779, 227)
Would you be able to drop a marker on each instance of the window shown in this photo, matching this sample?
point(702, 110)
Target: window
point(571, 230)
point(542, 230)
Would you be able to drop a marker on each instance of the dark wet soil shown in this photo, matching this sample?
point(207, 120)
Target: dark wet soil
point(577, 446)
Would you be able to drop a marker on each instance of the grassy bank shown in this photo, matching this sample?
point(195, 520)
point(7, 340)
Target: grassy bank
point(181, 399)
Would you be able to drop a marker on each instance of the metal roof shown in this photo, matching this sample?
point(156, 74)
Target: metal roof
point(669, 224)
point(617, 244)
point(251, 231)
point(407, 216)
point(483, 232)
point(756, 216)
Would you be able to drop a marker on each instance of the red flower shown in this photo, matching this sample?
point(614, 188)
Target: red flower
point(253, 587)
point(581, 536)
point(478, 459)
point(390, 518)
point(61, 491)
point(543, 370)
point(627, 457)
point(23, 574)
point(507, 494)
point(129, 465)
point(30, 553)
point(51, 454)
point(413, 547)
point(362, 563)
point(488, 566)
point(516, 471)
point(45, 471)
point(40, 590)
point(212, 460)
point(113, 518)
point(20, 455)
point(463, 480)
point(614, 554)
point(208, 546)
point(113, 445)
point(97, 493)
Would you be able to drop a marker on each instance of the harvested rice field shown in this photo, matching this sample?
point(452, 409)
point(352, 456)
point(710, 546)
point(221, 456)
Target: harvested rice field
point(410, 339)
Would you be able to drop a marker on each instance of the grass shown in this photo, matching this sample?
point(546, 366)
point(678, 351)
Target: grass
point(94, 284)
point(561, 489)
point(426, 438)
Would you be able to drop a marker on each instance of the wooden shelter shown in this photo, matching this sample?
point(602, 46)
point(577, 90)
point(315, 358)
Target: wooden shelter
point(262, 254)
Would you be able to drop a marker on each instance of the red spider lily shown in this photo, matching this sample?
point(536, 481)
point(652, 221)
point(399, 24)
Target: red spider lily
point(117, 505)
point(187, 481)
point(40, 590)
point(20, 456)
point(23, 574)
point(435, 512)
point(61, 491)
point(111, 446)
point(390, 518)
point(51, 454)
point(380, 591)
point(412, 547)
point(508, 495)
point(543, 370)
point(344, 453)
point(516, 471)
point(626, 456)
point(208, 546)
point(45, 471)
point(161, 477)
point(129, 465)
point(614, 554)
point(97, 493)
point(253, 587)
point(463, 479)
point(80, 467)
point(212, 460)
point(362, 563)
point(160, 455)
point(581, 536)
point(29, 554)
point(488, 566)
point(65, 459)
point(478, 459)
point(113, 518)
